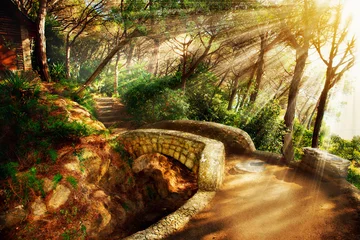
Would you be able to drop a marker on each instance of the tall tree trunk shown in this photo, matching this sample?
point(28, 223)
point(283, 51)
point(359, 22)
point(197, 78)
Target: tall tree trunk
point(153, 64)
point(67, 60)
point(183, 72)
point(107, 59)
point(260, 67)
point(321, 110)
point(301, 56)
point(248, 86)
point(130, 54)
point(116, 77)
point(233, 92)
point(41, 41)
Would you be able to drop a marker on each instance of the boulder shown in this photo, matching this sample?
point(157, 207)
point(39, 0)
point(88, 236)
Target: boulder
point(38, 208)
point(59, 197)
point(324, 164)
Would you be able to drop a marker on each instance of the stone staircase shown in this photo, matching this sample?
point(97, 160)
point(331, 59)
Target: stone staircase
point(113, 114)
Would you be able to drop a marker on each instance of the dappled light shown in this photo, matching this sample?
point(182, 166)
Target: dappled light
point(179, 119)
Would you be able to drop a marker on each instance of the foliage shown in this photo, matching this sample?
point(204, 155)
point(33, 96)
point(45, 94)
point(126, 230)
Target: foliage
point(156, 100)
point(206, 101)
point(301, 138)
point(347, 149)
point(57, 71)
point(57, 178)
point(73, 182)
point(354, 176)
point(265, 127)
point(30, 131)
point(8, 170)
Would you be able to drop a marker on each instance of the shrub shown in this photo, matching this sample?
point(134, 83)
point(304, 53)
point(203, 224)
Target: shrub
point(29, 130)
point(155, 100)
point(265, 128)
point(354, 176)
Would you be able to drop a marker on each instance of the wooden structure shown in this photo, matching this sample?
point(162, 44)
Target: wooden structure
point(16, 34)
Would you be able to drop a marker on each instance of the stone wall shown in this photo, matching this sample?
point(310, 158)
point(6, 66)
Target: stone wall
point(204, 156)
point(324, 164)
point(235, 140)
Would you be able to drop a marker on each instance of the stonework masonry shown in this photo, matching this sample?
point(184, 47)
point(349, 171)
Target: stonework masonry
point(203, 156)
point(234, 139)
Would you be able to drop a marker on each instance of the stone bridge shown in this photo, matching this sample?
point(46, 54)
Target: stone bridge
point(203, 156)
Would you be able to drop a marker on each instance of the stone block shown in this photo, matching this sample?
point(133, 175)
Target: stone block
point(189, 163)
point(185, 152)
point(192, 156)
point(324, 164)
point(182, 158)
point(177, 155)
point(171, 152)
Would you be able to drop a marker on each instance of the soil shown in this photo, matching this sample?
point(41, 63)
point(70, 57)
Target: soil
point(278, 203)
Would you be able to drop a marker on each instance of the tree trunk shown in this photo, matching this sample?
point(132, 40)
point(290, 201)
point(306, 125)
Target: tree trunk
point(107, 59)
point(116, 77)
point(130, 54)
point(288, 148)
point(233, 92)
point(67, 62)
point(41, 41)
point(321, 110)
point(248, 86)
point(260, 67)
point(183, 73)
point(153, 64)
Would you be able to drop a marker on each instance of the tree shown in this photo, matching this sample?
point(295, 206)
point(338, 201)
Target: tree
point(300, 41)
point(41, 41)
point(75, 19)
point(29, 7)
point(340, 60)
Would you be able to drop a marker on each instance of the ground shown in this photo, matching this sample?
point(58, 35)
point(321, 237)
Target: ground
point(279, 203)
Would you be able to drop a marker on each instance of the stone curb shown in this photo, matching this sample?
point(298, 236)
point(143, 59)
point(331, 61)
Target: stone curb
point(176, 220)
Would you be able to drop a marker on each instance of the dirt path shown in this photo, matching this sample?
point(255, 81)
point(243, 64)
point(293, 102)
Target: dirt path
point(278, 203)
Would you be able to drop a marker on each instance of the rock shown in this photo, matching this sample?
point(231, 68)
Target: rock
point(15, 216)
point(48, 185)
point(73, 166)
point(95, 166)
point(38, 208)
point(324, 164)
point(59, 197)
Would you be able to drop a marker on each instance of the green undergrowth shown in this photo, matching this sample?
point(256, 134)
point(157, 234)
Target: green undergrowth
point(32, 129)
point(354, 175)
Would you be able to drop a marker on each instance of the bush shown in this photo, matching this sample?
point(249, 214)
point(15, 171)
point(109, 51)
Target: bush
point(29, 131)
point(354, 176)
point(345, 148)
point(154, 101)
point(265, 127)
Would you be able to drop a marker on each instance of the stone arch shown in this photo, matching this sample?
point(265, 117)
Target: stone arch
point(203, 156)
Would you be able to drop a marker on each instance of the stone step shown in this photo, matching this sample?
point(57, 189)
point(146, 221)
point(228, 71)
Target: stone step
point(113, 118)
point(109, 113)
point(104, 99)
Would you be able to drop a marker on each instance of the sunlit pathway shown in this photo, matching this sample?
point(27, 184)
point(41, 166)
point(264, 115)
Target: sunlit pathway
point(278, 203)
